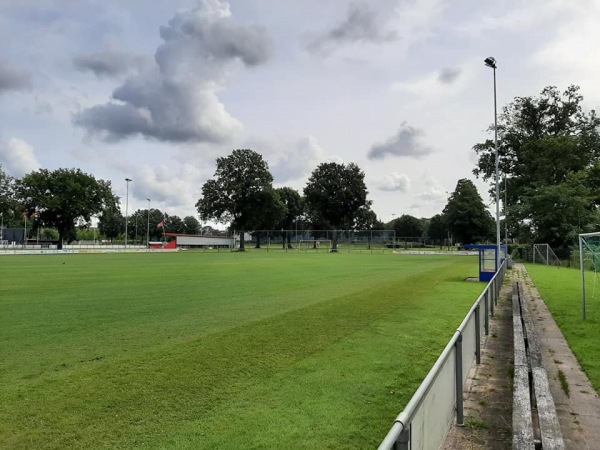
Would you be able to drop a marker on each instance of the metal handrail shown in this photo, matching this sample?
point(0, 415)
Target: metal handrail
point(404, 419)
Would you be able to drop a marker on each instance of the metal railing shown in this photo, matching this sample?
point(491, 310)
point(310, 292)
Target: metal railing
point(426, 419)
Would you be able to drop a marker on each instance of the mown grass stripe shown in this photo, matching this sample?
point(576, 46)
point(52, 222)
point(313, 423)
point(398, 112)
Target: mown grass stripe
point(272, 364)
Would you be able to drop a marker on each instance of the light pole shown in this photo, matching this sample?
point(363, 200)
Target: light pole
point(505, 214)
point(128, 180)
point(394, 228)
point(148, 229)
point(491, 62)
point(447, 225)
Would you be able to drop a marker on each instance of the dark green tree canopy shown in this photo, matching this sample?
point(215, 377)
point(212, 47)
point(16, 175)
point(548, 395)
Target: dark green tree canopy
point(293, 204)
point(408, 226)
point(191, 225)
point(335, 194)
point(294, 207)
point(543, 139)
point(543, 142)
point(236, 194)
point(366, 219)
point(466, 215)
point(63, 197)
point(174, 224)
point(111, 222)
point(268, 212)
point(10, 209)
point(437, 230)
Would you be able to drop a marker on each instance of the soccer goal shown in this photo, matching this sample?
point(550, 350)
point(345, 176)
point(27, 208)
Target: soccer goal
point(589, 259)
point(543, 254)
point(314, 244)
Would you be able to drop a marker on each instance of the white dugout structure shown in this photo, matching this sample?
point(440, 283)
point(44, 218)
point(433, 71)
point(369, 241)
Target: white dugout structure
point(199, 241)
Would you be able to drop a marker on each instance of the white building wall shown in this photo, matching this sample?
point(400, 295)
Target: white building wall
point(208, 241)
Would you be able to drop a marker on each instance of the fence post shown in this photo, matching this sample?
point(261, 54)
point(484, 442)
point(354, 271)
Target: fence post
point(498, 287)
point(491, 293)
point(477, 335)
point(404, 439)
point(486, 312)
point(459, 382)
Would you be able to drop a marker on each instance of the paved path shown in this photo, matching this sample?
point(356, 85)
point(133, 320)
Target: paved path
point(488, 394)
point(488, 391)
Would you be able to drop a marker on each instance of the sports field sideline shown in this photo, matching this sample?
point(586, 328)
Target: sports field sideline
point(227, 350)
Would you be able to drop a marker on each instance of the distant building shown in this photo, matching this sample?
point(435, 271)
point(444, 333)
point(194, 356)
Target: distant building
point(12, 236)
point(193, 241)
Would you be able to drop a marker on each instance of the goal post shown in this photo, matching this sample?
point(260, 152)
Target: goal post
point(589, 257)
point(543, 254)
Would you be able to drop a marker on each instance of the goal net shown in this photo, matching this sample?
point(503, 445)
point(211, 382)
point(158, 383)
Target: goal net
point(543, 254)
point(589, 260)
point(314, 244)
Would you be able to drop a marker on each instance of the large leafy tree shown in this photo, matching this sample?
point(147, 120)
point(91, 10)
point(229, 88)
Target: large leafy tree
point(335, 195)
point(236, 194)
point(62, 197)
point(570, 200)
point(408, 226)
point(269, 212)
point(549, 148)
point(191, 225)
point(466, 215)
point(111, 222)
point(366, 219)
point(294, 209)
point(174, 224)
point(10, 210)
point(437, 230)
point(137, 223)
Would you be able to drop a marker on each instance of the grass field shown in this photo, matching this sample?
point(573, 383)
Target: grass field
point(225, 350)
point(561, 290)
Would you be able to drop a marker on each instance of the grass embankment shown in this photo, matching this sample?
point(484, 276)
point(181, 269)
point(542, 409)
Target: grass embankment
point(193, 350)
point(561, 290)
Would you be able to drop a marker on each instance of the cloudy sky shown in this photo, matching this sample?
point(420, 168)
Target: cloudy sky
point(156, 91)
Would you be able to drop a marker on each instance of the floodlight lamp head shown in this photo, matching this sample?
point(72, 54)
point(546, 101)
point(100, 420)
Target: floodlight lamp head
point(128, 179)
point(490, 62)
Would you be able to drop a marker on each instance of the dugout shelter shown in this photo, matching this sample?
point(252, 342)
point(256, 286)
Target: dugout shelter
point(487, 259)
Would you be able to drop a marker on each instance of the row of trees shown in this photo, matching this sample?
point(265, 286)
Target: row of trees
point(65, 200)
point(334, 198)
point(549, 151)
point(465, 218)
point(60, 199)
point(140, 223)
point(242, 194)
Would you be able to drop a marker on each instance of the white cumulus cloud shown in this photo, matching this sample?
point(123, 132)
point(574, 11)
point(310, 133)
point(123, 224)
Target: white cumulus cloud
point(393, 182)
point(18, 157)
point(176, 99)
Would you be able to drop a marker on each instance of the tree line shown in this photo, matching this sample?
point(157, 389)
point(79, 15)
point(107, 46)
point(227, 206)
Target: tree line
point(549, 166)
point(241, 193)
point(62, 203)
